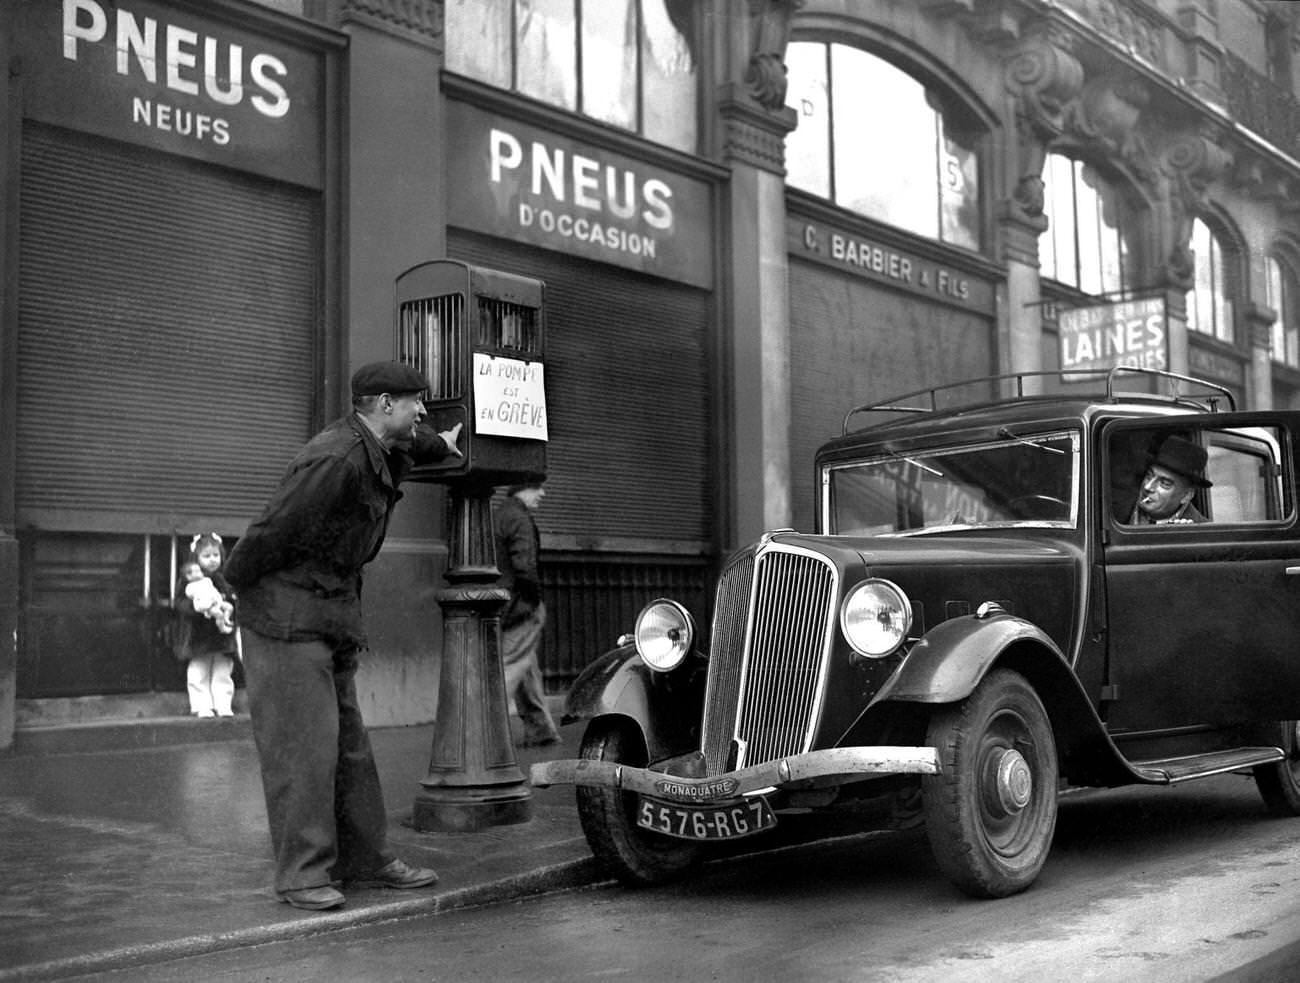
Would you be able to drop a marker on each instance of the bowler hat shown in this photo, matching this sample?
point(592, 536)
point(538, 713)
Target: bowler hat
point(1182, 457)
point(387, 377)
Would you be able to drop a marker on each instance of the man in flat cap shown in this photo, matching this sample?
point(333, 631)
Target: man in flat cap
point(1173, 474)
point(297, 571)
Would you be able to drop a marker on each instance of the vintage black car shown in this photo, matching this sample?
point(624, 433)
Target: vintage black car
point(976, 624)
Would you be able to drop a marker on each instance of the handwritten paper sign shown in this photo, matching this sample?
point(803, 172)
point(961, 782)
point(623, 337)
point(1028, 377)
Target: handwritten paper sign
point(509, 397)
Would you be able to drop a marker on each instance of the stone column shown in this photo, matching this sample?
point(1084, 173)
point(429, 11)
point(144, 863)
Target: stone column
point(753, 122)
point(1043, 77)
point(1191, 160)
point(1020, 325)
point(1258, 321)
point(1175, 294)
point(395, 213)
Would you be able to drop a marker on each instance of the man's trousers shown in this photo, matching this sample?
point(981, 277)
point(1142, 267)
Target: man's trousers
point(520, 645)
point(323, 799)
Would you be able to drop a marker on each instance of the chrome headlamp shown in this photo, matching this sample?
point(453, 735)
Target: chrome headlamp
point(875, 618)
point(664, 634)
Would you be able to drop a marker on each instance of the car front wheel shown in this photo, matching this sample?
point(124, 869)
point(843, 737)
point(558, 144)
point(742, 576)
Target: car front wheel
point(991, 811)
point(1279, 782)
point(636, 856)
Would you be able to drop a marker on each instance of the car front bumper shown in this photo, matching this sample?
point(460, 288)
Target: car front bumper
point(831, 766)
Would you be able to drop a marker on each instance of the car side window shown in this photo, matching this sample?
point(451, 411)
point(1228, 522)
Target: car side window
point(1191, 476)
point(1246, 470)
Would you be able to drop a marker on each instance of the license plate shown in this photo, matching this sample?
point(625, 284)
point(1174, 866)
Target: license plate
point(716, 822)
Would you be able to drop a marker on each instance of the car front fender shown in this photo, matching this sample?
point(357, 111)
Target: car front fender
point(665, 706)
point(947, 664)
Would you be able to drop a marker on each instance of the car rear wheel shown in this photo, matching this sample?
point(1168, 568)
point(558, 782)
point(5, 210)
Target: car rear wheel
point(991, 810)
point(1279, 782)
point(636, 856)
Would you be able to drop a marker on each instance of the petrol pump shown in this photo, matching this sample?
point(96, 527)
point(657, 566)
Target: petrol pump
point(477, 336)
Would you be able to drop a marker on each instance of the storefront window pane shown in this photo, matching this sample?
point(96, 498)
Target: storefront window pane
point(1090, 231)
point(901, 186)
point(808, 148)
point(1086, 245)
point(1059, 260)
point(1209, 309)
point(925, 179)
point(669, 78)
point(478, 40)
point(547, 51)
point(959, 192)
point(609, 43)
point(636, 59)
point(1282, 297)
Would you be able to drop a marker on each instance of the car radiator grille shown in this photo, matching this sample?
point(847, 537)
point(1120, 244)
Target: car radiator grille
point(771, 633)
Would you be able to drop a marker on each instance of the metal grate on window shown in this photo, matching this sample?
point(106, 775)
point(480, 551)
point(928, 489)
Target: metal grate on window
point(512, 327)
point(429, 338)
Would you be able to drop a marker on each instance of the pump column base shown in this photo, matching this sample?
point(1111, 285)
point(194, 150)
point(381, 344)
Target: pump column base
point(474, 781)
point(468, 810)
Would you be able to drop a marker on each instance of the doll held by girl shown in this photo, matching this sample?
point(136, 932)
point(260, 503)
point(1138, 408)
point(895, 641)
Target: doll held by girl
point(206, 597)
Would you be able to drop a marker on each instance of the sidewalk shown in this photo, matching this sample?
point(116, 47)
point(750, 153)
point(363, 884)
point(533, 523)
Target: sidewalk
point(143, 842)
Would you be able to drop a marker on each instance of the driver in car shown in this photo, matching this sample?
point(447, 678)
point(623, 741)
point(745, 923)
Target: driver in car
point(1172, 477)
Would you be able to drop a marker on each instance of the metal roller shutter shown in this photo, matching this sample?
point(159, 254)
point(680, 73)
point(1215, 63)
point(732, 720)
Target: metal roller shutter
point(627, 368)
point(168, 317)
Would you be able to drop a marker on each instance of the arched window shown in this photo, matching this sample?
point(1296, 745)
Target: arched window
point(1209, 308)
point(874, 140)
point(628, 63)
point(1086, 245)
point(1284, 296)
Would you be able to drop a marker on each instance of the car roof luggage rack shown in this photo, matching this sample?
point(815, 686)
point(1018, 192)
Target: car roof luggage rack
point(1209, 401)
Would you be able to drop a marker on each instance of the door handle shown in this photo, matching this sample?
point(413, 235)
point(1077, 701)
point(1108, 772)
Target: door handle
point(1293, 571)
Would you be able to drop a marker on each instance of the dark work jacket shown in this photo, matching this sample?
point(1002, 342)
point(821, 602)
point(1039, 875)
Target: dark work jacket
point(518, 547)
point(297, 570)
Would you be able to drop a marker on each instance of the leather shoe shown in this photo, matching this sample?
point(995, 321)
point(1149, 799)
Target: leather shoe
point(313, 898)
point(398, 874)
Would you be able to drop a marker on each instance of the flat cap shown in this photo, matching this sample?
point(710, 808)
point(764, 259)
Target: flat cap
point(387, 377)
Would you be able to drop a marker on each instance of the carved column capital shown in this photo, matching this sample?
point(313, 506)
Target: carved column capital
point(768, 27)
point(1191, 160)
point(752, 135)
point(1259, 324)
point(1044, 77)
point(422, 19)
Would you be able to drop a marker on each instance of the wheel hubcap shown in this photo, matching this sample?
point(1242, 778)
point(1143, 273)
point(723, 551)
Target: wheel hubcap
point(1014, 782)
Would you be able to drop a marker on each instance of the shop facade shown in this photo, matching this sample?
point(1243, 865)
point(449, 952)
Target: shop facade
point(750, 216)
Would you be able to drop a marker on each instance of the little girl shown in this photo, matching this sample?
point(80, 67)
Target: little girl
point(201, 643)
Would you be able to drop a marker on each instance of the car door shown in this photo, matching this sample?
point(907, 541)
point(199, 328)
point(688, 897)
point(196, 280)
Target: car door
point(1203, 618)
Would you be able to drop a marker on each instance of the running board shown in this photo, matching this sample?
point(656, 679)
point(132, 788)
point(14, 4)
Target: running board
point(1170, 771)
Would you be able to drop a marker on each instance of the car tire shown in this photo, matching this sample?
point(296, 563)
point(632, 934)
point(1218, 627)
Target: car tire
point(991, 810)
point(1279, 782)
point(636, 856)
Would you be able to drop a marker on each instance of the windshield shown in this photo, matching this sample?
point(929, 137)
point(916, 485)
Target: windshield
point(1013, 481)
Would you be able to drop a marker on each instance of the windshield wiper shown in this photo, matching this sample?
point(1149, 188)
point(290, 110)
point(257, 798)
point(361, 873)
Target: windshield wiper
point(913, 461)
point(1004, 432)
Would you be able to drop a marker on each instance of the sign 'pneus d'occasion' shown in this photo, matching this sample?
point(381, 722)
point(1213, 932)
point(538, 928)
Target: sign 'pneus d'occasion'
point(521, 182)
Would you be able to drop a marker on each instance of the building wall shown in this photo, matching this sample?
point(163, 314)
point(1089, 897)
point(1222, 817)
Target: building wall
point(1172, 97)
